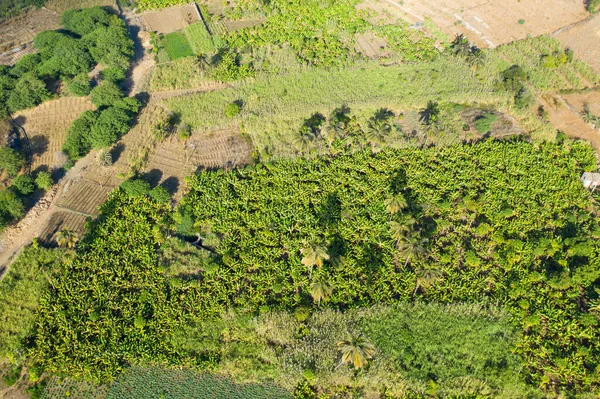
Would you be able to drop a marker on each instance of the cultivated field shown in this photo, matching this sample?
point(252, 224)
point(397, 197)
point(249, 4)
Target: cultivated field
point(487, 23)
point(17, 34)
point(170, 19)
point(62, 5)
point(47, 125)
point(584, 39)
point(62, 220)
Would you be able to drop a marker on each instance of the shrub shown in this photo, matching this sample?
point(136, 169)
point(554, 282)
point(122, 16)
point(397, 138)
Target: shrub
point(110, 125)
point(80, 85)
point(24, 184)
point(524, 98)
point(11, 207)
point(77, 143)
point(593, 5)
point(233, 109)
point(104, 158)
point(44, 180)
point(113, 74)
point(484, 122)
point(28, 63)
point(11, 161)
point(136, 187)
point(160, 194)
point(28, 92)
point(106, 94)
point(85, 20)
point(11, 378)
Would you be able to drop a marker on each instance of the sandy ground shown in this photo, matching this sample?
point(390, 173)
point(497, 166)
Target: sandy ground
point(584, 38)
point(487, 23)
point(170, 19)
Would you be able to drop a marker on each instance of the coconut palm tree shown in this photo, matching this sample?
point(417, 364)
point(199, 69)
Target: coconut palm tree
point(320, 288)
point(314, 255)
point(460, 46)
point(66, 238)
point(427, 276)
point(402, 228)
point(104, 158)
point(356, 350)
point(376, 132)
point(305, 138)
point(412, 246)
point(395, 203)
point(429, 114)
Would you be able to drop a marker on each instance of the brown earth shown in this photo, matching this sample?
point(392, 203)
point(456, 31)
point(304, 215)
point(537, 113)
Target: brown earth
point(372, 46)
point(487, 23)
point(17, 34)
point(47, 126)
point(584, 38)
point(170, 19)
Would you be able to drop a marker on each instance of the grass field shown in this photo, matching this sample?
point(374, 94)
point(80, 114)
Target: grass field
point(199, 38)
point(176, 45)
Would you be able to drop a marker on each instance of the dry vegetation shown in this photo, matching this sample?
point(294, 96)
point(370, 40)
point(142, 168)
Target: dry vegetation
point(47, 125)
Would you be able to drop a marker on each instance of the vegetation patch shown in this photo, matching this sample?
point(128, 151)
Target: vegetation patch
point(199, 38)
point(176, 45)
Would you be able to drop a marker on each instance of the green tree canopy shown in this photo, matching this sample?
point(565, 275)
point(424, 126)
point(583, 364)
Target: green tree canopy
point(111, 124)
point(80, 85)
point(10, 161)
point(28, 92)
point(106, 94)
point(110, 45)
point(77, 143)
point(24, 184)
point(85, 20)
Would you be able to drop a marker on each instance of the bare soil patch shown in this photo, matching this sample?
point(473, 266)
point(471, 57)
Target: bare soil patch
point(487, 23)
point(170, 19)
point(173, 159)
point(567, 119)
point(577, 101)
point(47, 126)
point(372, 46)
point(584, 38)
point(17, 34)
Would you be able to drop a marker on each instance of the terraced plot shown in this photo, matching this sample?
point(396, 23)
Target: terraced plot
point(84, 197)
point(62, 220)
point(47, 126)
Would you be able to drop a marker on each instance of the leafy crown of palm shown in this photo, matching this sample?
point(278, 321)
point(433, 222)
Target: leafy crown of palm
point(356, 350)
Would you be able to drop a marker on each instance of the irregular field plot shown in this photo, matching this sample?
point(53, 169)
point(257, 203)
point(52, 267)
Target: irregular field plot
point(62, 220)
point(63, 5)
point(170, 19)
point(47, 125)
point(17, 33)
point(176, 45)
point(487, 23)
point(84, 197)
point(175, 160)
point(584, 39)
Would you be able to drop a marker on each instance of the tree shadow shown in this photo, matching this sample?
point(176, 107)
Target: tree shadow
point(39, 144)
point(116, 151)
point(330, 210)
point(153, 177)
point(171, 184)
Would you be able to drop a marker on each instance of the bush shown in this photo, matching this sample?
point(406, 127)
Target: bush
point(111, 124)
point(11, 161)
point(593, 5)
point(136, 187)
point(85, 20)
point(484, 123)
point(233, 109)
point(80, 85)
point(77, 143)
point(44, 180)
point(524, 98)
point(107, 94)
point(13, 375)
point(113, 74)
point(11, 207)
point(24, 184)
point(28, 92)
point(28, 63)
point(160, 194)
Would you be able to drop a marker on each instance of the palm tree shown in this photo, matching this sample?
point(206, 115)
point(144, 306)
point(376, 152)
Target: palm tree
point(430, 113)
point(395, 203)
point(66, 238)
point(460, 46)
point(104, 158)
point(476, 57)
point(376, 132)
point(332, 130)
point(426, 276)
point(313, 255)
point(356, 350)
point(305, 138)
point(401, 228)
point(412, 246)
point(320, 288)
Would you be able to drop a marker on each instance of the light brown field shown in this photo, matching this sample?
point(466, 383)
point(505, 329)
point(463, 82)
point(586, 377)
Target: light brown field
point(62, 220)
point(170, 19)
point(372, 46)
point(17, 34)
point(47, 126)
point(487, 23)
point(584, 39)
point(60, 6)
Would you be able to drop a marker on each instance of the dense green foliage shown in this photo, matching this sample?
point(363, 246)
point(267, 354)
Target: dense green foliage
point(110, 305)
point(11, 207)
point(20, 292)
point(176, 45)
point(23, 184)
point(482, 228)
point(200, 40)
point(44, 180)
point(90, 36)
point(11, 161)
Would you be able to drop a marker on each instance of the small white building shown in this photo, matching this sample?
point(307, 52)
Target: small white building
point(590, 180)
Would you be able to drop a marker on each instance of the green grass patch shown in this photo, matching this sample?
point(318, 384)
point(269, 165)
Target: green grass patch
point(200, 40)
point(176, 45)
